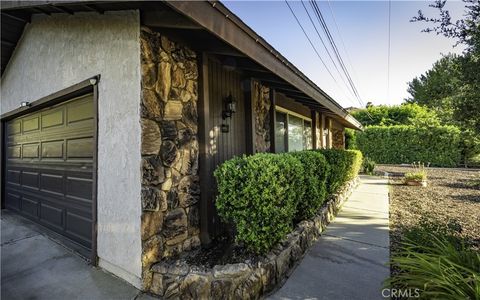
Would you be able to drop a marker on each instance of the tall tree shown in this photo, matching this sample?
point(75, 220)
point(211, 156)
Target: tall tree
point(460, 94)
point(438, 87)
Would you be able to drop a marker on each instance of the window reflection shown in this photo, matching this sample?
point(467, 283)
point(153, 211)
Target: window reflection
point(295, 133)
point(292, 133)
point(280, 131)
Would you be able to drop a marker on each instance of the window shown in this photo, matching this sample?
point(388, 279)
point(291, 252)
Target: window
point(293, 132)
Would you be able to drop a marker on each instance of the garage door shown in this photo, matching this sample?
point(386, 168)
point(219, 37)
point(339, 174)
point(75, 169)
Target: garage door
point(49, 168)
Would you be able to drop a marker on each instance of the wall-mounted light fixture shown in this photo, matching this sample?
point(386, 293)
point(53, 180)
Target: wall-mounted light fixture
point(25, 104)
point(230, 107)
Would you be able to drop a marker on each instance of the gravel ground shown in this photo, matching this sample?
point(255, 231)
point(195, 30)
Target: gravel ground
point(452, 196)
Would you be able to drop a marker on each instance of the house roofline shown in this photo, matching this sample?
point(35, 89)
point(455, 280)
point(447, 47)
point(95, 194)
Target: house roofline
point(225, 25)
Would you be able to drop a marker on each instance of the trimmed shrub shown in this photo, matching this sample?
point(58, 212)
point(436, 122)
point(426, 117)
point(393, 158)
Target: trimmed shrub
point(439, 145)
point(259, 194)
point(344, 166)
point(315, 171)
point(264, 194)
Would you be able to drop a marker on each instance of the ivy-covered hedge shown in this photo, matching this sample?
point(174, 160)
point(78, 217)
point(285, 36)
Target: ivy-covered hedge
point(344, 166)
point(437, 145)
point(263, 195)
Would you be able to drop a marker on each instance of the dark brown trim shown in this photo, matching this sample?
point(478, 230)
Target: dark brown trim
point(3, 132)
point(273, 120)
point(52, 99)
point(94, 254)
point(314, 129)
point(221, 22)
point(249, 116)
point(204, 155)
point(85, 87)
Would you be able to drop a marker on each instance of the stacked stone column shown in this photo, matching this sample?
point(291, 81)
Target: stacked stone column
point(170, 184)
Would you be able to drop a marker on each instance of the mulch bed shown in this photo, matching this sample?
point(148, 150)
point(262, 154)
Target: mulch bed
point(451, 197)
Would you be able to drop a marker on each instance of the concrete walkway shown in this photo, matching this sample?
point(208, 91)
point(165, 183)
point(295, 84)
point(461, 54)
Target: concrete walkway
point(349, 260)
point(34, 266)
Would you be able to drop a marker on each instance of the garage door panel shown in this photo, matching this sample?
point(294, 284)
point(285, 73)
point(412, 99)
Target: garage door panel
point(81, 110)
point(30, 180)
point(53, 149)
point(52, 215)
point(79, 188)
point(53, 118)
point(13, 177)
point(80, 148)
point(31, 124)
point(14, 151)
point(78, 226)
point(13, 201)
point(14, 128)
point(30, 207)
point(52, 183)
point(30, 150)
point(49, 168)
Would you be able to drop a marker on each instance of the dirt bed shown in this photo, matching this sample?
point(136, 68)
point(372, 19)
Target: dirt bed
point(451, 197)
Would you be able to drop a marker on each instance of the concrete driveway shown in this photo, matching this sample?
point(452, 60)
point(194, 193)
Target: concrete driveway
point(35, 266)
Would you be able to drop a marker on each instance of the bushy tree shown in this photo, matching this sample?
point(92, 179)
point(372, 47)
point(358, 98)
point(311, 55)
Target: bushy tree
point(438, 87)
point(453, 84)
point(405, 114)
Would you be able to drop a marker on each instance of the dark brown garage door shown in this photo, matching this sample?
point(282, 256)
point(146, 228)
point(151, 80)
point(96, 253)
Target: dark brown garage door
point(49, 158)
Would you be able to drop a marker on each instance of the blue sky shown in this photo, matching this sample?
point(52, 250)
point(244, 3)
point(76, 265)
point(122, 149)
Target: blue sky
point(363, 27)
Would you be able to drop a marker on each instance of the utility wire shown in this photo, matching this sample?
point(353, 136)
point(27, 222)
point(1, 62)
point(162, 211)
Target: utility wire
point(310, 41)
point(342, 41)
point(335, 49)
point(326, 49)
point(388, 55)
point(336, 52)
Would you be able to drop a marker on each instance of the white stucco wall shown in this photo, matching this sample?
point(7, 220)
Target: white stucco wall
point(58, 51)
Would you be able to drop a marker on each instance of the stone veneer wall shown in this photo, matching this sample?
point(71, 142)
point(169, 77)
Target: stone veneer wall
point(338, 140)
point(261, 106)
point(246, 280)
point(170, 184)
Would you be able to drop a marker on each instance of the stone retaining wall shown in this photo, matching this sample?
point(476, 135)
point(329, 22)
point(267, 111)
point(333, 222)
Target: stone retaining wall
point(246, 280)
point(170, 184)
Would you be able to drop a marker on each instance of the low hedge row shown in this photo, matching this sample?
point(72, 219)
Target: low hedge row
point(345, 166)
point(437, 145)
point(263, 195)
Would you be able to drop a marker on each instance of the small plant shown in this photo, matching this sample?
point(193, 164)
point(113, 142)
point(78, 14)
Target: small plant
point(419, 176)
point(368, 165)
point(438, 265)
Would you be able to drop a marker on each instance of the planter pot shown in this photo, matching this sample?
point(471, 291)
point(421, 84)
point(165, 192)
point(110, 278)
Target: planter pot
point(416, 182)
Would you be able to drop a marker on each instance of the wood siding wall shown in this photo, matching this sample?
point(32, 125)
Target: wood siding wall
point(223, 145)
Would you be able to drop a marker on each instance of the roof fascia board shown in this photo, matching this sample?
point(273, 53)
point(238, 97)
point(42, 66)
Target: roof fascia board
point(217, 19)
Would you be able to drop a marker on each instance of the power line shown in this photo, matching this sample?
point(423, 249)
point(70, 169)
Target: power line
point(326, 49)
point(310, 41)
point(388, 54)
point(336, 52)
point(342, 40)
point(335, 49)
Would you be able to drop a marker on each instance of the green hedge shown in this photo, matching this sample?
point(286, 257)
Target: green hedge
point(344, 166)
point(438, 145)
point(259, 194)
point(265, 194)
point(315, 171)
